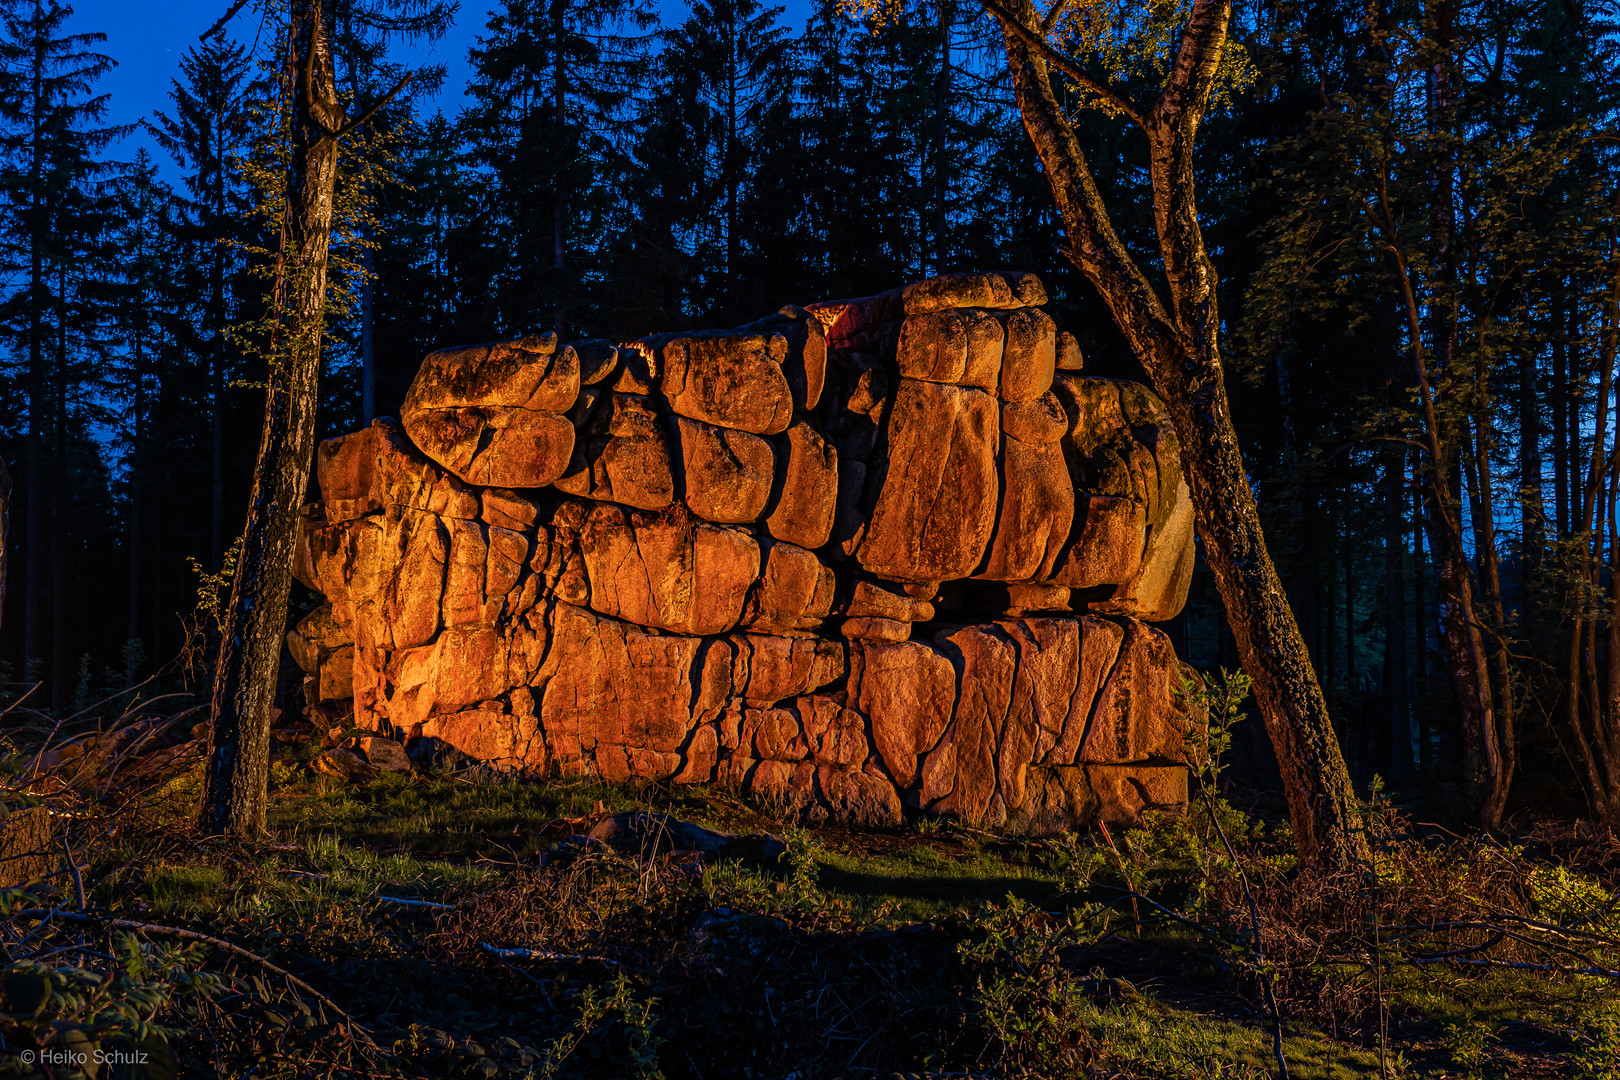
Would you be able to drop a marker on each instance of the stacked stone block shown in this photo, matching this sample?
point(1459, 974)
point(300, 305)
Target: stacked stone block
point(872, 555)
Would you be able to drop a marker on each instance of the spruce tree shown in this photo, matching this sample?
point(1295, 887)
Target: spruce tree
point(212, 109)
point(51, 128)
point(548, 133)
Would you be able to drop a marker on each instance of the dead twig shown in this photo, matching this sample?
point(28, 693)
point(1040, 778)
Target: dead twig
point(183, 934)
point(541, 954)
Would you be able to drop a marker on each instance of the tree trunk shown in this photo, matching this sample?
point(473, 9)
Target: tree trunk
point(1178, 349)
point(1532, 520)
point(1593, 712)
point(942, 104)
point(59, 498)
point(34, 475)
point(1395, 667)
point(5, 532)
point(234, 792)
point(218, 382)
point(136, 463)
point(559, 108)
point(368, 329)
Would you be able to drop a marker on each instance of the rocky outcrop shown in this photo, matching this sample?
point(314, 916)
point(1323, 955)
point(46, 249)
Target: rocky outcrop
point(885, 555)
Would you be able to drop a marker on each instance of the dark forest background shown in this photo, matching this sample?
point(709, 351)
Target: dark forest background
point(619, 171)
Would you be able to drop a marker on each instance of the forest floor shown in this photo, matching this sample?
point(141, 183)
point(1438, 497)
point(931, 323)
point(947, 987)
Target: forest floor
point(465, 929)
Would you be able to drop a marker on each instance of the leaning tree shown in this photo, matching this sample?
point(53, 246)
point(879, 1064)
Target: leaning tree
point(1174, 333)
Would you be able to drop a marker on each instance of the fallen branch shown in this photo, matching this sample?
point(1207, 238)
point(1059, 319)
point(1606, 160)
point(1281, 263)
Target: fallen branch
point(1604, 973)
point(207, 939)
point(416, 903)
point(540, 954)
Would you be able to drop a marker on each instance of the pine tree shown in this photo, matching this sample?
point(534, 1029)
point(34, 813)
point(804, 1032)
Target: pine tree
point(146, 303)
point(213, 102)
point(549, 131)
point(50, 131)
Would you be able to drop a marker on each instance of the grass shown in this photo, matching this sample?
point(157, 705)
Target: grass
point(932, 950)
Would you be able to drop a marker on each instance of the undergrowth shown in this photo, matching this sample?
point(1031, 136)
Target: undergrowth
point(454, 924)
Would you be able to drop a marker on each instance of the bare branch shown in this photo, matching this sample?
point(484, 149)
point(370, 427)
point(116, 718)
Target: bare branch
point(219, 27)
point(218, 943)
point(1064, 64)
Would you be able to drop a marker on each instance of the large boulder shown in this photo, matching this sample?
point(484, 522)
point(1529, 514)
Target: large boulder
point(872, 557)
point(492, 414)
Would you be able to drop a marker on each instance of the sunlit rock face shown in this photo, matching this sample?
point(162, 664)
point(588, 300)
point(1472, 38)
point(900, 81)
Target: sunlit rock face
point(878, 555)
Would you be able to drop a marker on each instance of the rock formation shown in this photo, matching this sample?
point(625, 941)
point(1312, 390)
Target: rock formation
point(871, 555)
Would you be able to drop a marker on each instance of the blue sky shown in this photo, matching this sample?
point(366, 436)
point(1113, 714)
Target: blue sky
point(148, 41)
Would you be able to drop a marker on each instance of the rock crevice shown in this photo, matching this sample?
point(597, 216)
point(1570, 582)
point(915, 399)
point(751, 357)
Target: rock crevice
point(876, 555)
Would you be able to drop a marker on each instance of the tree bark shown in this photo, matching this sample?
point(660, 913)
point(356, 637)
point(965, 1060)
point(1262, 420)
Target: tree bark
point(5, 533)
point(942, 105)
point(234, 792)
point(34, 523)
point(1395, 666)
point(1178, 348)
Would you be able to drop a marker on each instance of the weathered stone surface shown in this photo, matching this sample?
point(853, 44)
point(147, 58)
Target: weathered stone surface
point(491, 413)
point(870, 600)
point(794, 594)
point(807, 498)
point(1158, 591)
point(622, 456)
point(667, 570)
point(1027, 597)
point(490, 734)
point(908, 693)
point(1125, 791)
point(806, 362)
point(533, 373)
point(986, 658)
point(1002, 290)
point(318, 642)
point(637, 369)
point(1136, 533)
point(1068, 353)
point(607, 682)
point(731, 380)
point(645, 834)
point(768, 669)
point(1037, 512)
point(502, 447)
point(368, 471)
point(703, 558)
point(383, 754)
point(1038, 422)
point(598, 358)
point(509, 509)
point(936, 501)
point(728, 473)
point(959, 347)
point(868, 628)
point(1030, 355)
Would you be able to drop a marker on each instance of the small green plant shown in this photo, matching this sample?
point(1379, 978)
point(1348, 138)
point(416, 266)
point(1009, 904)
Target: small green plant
point(1468, 1045)
point(1597, 1053)
point(804, 857)
point(214, 589)
point(618, 1006)
point(1075, 861)
point(1213, 705)
point(1031, 1008)
point(79, 1016)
